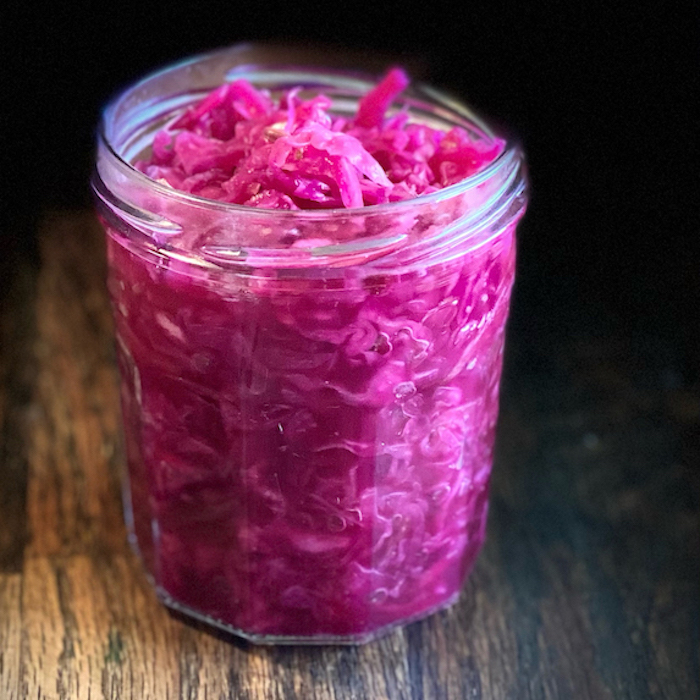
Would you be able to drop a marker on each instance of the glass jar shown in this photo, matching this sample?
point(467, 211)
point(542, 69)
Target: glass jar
point(309, 397)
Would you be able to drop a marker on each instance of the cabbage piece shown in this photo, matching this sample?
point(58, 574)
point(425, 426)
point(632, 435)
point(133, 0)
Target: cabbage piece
point(217, 115)
point(373, 105)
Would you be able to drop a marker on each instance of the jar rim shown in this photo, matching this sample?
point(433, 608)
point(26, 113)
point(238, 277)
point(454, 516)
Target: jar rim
point(418, 95)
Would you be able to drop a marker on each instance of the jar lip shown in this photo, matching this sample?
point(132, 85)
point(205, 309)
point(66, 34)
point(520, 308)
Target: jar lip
point(510, 151)
point(430, 97)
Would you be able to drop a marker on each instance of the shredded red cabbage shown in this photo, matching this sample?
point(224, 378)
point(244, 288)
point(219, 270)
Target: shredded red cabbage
point(309, 458)
point(238, 146)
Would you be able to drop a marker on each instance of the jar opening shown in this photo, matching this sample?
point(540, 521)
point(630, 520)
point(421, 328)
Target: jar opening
point(227, 233)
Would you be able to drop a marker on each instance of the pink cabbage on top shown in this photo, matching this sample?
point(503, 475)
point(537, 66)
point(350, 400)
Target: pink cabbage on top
point(237, 145)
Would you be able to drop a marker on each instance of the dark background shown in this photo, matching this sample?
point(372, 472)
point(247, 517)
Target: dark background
point(600, 94)
point(600, 436)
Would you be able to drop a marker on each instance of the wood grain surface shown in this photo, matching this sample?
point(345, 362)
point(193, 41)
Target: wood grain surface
point(587, 587)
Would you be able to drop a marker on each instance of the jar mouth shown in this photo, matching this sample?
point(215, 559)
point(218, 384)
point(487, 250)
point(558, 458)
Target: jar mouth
point(504, 158)
point(131, 119)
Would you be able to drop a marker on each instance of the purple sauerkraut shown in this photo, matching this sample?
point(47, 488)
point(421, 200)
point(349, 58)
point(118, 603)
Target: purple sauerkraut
point(239, 146)
point(309, 454)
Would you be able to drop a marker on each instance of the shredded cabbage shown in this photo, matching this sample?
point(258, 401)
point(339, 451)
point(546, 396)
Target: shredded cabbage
point(238, 146)
point(310, 459)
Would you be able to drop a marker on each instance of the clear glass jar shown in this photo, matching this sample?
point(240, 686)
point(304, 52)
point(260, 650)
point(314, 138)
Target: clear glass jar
point(309, 428)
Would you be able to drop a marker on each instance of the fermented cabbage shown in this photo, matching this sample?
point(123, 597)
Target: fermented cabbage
point(239, 146)
point(309, 455)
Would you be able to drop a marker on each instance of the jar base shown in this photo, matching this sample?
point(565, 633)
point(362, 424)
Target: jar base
point(316, 640)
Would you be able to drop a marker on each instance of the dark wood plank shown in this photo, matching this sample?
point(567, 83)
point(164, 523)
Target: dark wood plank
point(17, 371)
point(603, 494)
point(10, 635)
point(73, 476)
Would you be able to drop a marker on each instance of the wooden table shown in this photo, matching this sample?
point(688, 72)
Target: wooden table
point(587, 587)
